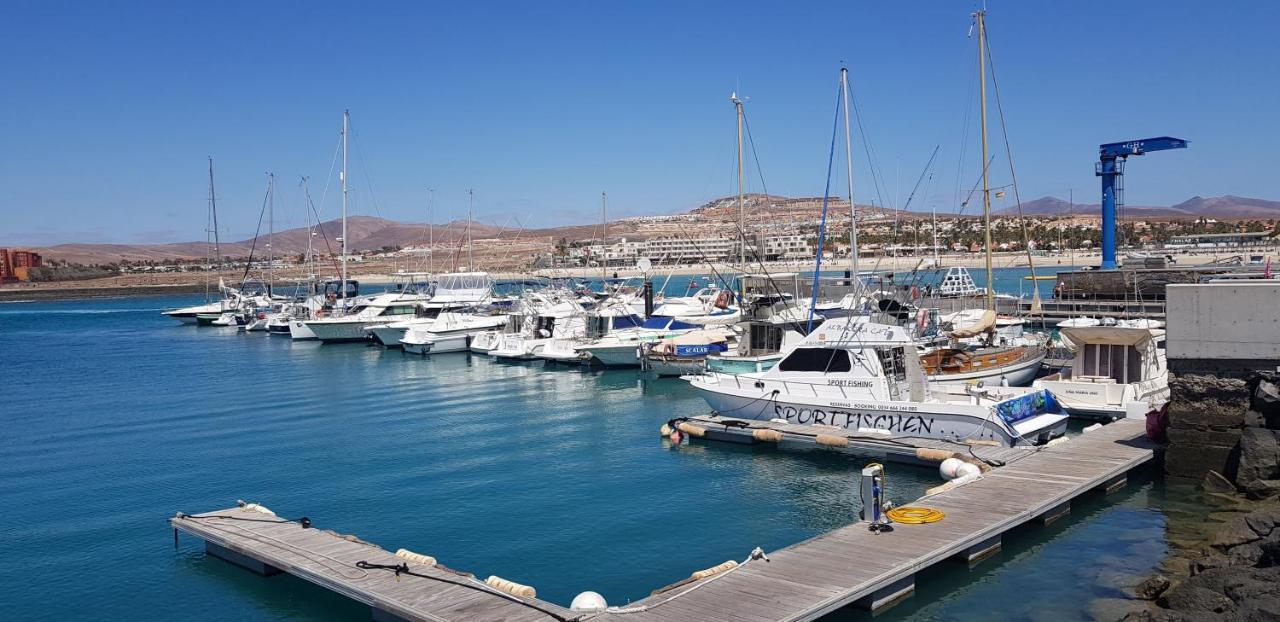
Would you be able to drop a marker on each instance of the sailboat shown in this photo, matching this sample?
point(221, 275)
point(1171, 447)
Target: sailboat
point(977, 353)
point(210, 309)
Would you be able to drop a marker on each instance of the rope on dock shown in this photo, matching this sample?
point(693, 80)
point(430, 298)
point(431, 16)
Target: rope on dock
point(698, 579)
point(467, 580)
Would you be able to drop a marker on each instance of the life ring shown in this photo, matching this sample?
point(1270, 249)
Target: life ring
point(722, 300)
point(319, 313)
point(915, 292)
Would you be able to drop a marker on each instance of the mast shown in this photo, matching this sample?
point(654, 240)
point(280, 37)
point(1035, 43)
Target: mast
point(848, 151)
point(346, 117)
point(213, 205)
point(742, 205)
point(208, 235)
point(271, 232)
point(604, 239)
point(986, 184)
point(431, 232)
point(306, 200)
point(471, 207)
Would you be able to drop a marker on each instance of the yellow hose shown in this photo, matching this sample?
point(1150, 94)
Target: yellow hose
point(908, 515)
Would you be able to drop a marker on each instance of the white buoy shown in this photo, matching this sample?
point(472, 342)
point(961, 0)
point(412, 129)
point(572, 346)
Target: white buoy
point(968, 469)
point(588, 601)
point(949, 469)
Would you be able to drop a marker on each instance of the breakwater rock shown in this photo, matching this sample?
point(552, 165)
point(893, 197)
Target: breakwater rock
point(1237, 577)
point(1226, 431)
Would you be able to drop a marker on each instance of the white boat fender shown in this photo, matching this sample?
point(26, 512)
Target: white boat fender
point(255, 507)
point(417, 558)
point(511, 587)
point(1089, 428)
point(955, 483)
point(1057, 441)
point(588, 601)
point(949, 469)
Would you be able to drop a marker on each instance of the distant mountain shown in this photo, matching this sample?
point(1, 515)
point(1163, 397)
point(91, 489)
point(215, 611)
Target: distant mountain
point(1214, 207)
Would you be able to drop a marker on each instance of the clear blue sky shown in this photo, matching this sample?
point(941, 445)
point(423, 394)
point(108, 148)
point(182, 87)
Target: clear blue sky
point(110, 108)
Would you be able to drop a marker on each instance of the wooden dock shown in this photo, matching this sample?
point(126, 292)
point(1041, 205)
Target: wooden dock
point(805, 581)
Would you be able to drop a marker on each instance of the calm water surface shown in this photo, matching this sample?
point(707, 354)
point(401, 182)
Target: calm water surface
point(115, 417)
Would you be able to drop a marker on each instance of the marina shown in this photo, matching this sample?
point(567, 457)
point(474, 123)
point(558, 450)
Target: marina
point(631, 313)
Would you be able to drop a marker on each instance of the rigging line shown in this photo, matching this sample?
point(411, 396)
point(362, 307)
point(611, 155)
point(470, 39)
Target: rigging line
point(368, 178)
point(333, 165)
point(1013, 177)
point(928, 165)
point(968, 117)
point(826, 197)
point(306, 189)
point(867, 148)
point(248, 264)
point(755, 155)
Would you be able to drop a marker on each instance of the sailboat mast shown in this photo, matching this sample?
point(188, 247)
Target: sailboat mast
point(306, 213)
point(848, 151)
point(208, 234)
point(742, 205)
point(271, 232)
point(213, 205)
point(346, 115)
point(604, 238)
point(471, 208)
point(986, 184)
point(431, 232)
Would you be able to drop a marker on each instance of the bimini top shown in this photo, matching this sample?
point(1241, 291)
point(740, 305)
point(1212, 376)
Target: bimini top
point(855, 332)
point(1105, 335)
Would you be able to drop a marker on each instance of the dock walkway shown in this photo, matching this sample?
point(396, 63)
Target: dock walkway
point(847, 566)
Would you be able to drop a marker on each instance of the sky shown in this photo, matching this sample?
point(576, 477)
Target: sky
point(110, 110)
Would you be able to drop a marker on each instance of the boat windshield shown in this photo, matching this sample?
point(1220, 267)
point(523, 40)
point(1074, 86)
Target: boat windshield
point(659, 322)
point(821, 360)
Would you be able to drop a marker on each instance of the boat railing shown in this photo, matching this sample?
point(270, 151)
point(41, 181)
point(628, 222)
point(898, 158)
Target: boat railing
point(787, 385)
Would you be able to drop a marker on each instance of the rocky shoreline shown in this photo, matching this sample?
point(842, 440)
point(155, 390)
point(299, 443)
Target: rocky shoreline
point(1224, 562)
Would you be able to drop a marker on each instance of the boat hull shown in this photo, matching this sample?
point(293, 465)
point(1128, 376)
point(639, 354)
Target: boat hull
point(298, 331)
point(615, 355)
point(878, 419)
point(339, 331)
point(387, 335)
point(1019, 374)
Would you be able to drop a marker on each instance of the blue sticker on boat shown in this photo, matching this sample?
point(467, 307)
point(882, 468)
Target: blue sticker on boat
point(1029, 405)
point(700, 350)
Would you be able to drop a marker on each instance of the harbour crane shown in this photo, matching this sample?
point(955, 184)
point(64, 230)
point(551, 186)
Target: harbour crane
point(1110, 167)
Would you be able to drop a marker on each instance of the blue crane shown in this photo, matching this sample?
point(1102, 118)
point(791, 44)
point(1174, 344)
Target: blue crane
point(1111, 159)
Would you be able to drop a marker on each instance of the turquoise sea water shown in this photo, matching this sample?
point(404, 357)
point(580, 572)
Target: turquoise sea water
point(115, 417)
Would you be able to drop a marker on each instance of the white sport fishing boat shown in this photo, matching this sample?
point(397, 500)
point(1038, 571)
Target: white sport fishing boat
point(452, 292)
point(1118, 372)
point(564, 319)
point(613, 316)
point(856, 375)
point(621, 348)
point(449, 332)
point(350, 325)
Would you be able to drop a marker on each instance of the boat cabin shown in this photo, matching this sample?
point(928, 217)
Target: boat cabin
point(862, 359)
point(1114, 354)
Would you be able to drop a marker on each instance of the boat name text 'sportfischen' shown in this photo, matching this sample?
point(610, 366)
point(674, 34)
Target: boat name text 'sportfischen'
point(852, 420)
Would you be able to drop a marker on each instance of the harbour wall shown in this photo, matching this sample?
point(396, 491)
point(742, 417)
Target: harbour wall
point(1223, 347)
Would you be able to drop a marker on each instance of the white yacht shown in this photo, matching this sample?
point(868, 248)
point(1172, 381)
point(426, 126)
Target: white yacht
point(349, 325)
point(1119, 371)
point(856, 375)
point(452, 292)
point(621, 348)
point(613, 316)
point(449, 332)
point(564, 319)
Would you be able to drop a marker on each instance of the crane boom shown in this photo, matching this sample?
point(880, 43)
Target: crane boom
point(1110, 167)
